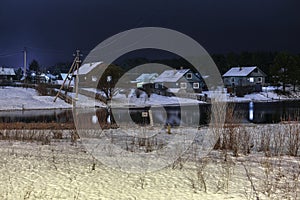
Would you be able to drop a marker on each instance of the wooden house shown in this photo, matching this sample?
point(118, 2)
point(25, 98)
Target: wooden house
point(88, 73)
point(174, 81)
point(250, 79)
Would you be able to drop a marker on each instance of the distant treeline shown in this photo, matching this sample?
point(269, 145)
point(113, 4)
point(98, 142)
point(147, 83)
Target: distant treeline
point(264, 60)
point(281, 67)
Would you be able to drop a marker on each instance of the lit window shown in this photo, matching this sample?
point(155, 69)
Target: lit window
point(94, 78)
point(251, 79)
point(156, 85)
point(196, 85)
point(189, 76)
point(183, 85)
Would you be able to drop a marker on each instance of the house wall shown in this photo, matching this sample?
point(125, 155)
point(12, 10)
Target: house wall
point(189, 84)
point(244, 81)
point(6, 79)
point(255, 77)
point(92, 78)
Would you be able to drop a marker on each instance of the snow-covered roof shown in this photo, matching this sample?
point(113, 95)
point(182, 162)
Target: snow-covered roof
point(44, 75)
point(87, 67)
point(64, 76)
point(171, 75)
point(239, 71)
point(51, 76)
point(145, 77)
point(7, 71)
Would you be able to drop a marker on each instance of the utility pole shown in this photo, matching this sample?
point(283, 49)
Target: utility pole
point(78, 62)
point(25, 62)
point(74, 68)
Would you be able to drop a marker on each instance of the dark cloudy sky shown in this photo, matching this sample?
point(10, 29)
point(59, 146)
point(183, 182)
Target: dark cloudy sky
point(52, 29)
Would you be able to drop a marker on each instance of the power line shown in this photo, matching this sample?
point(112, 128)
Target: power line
point(10, 54)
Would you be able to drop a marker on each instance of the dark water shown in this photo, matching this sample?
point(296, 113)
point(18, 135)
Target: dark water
point(35, 116)
point(271, 112)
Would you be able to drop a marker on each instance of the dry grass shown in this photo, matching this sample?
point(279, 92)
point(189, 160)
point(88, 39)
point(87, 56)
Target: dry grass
point(34, 126)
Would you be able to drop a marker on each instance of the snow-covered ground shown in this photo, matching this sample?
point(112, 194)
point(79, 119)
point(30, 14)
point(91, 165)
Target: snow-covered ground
point(268, 94)
point(143, 100)
point(59, 170)
point(15, 98)
point(154, 100)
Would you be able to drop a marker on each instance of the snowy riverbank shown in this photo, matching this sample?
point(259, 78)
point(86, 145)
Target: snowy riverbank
point(17, 98)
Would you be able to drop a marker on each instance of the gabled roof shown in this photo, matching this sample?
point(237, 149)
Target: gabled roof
point(171, 75)
point(87, 67)
point(7, 71)
point(146, 77)
point(239, 71)
point(64, 76)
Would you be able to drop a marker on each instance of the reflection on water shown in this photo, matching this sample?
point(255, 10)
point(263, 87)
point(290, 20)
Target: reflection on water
point(34, 116)
point(251, 110)
point(256, 112)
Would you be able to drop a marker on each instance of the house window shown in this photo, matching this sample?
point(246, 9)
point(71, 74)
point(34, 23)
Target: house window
point(196, 85)
point(183, 85)
point(156, 85)
point(94, 78)
point(259, 79)
point(251, 79)
point(189, 76)
point(232, 80)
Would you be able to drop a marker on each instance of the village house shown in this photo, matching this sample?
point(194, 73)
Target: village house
point(174, 81)
point(145, 79)
point(6, 75)
point(88, 72)
point(64, 76)
point(250, 79)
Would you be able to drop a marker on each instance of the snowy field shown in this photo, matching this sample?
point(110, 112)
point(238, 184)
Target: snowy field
point(59, 170)
point(15, 98)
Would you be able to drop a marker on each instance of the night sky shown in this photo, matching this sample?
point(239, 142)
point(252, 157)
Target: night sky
point(53, 29)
